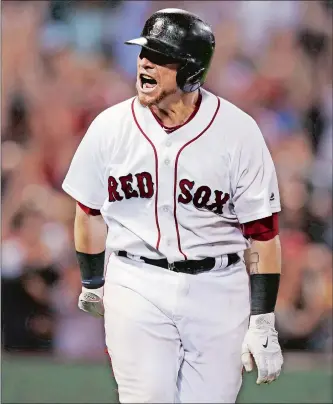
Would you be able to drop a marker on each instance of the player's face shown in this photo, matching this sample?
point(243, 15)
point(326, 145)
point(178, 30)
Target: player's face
point(156, 77)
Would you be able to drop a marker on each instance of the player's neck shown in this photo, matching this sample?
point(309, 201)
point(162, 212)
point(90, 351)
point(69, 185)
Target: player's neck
point(173, 112)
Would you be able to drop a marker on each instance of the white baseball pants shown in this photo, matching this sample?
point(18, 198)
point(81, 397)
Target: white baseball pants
point(176, 338)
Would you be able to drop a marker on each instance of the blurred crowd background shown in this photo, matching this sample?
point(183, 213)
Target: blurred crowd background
point(64, 61)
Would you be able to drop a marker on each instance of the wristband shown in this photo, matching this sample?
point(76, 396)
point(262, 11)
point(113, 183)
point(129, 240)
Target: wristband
point(264, 291)
point(92, 269)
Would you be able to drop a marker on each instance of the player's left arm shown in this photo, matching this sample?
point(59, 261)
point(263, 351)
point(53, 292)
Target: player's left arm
point(264, 255)
point(264, 266)
point(261, 341)
point(257, 203)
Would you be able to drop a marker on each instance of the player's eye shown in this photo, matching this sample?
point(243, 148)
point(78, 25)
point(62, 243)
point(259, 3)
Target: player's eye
point(157, 58)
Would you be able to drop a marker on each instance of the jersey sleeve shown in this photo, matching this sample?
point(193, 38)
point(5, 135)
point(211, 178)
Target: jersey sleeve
point(85, 180)
point(255, 192)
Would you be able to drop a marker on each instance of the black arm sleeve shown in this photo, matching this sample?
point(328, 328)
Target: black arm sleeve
point(264, 291)
point(92, 269)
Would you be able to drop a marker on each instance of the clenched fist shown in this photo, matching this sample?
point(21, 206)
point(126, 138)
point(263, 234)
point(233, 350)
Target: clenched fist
point(261, 343)
point(91, 301)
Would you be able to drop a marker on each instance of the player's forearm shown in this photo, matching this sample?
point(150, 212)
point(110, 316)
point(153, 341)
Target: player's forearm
point(261, 341)
point(89, 236)
point(264, 257)
point(264, 264)
point(89, 232)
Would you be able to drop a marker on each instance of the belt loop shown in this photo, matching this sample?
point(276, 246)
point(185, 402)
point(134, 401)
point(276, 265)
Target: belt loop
point(225, 261)
point(171, 266)
point(136, 258)
point(218, 262)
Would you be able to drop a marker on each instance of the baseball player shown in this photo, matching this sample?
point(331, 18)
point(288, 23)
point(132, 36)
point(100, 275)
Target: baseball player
point(177, 184)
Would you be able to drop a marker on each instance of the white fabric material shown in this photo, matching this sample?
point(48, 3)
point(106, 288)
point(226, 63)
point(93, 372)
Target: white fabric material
point(253, 177)
point(261, 341)
point(230, 157)
point(174, 337)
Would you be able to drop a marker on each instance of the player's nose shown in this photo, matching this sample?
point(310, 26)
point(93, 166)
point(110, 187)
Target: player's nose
point(146, 63)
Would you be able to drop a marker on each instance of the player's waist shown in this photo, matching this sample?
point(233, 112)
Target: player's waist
point(186, 266)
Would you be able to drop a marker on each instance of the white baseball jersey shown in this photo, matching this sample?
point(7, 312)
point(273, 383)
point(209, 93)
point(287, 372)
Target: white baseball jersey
point(181, 195)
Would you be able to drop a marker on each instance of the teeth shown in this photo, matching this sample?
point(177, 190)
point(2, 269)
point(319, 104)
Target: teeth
point(146, 77)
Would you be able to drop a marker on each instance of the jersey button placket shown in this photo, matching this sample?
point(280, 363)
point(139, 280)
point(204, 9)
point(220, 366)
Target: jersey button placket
point(166, 196)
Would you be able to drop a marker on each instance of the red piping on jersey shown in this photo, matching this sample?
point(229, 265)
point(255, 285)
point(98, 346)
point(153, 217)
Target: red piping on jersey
point(176, 168)
point(156, 175)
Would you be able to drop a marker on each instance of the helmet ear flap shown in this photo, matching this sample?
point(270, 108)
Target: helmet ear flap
point(190, 77)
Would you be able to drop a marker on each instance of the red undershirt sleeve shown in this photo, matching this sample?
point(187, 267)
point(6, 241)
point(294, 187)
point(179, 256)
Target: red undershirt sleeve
point(262, 229)
point(89, 211)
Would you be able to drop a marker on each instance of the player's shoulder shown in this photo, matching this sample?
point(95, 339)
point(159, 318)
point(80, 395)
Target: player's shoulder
point(115, 113)
point(106, 126)
point(230, 115)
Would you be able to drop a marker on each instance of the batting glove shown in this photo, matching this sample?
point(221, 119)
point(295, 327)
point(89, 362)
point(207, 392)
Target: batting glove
point(261, 343)
point(91, 301)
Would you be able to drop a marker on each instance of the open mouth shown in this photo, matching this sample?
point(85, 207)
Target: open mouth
point(147, 82)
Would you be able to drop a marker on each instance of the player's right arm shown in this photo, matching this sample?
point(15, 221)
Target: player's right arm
point(86, 183)
point(89, 237)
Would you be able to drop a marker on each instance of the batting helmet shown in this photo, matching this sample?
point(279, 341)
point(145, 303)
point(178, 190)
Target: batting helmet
point(184, 37)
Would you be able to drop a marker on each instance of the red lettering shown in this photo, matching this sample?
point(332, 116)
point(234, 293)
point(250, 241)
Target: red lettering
point(217, 207)
point(126, 186)
point(112, 188)
point(145, 184)
point(202, 193)
point(202, 196)
point(185, 187)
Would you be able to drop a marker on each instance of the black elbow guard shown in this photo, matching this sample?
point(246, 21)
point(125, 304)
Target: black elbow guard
point(264, 291)
point(92, 269)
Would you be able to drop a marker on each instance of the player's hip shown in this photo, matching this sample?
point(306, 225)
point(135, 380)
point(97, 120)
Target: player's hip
point(219, 298)
point(154, 281)
point(125, 264)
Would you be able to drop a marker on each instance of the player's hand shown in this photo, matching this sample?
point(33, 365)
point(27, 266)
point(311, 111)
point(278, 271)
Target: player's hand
point(91, 301)
point(261, 344)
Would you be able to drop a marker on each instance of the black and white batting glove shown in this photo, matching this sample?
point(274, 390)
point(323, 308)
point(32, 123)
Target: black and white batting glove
point(261, 343)
point(91, 301)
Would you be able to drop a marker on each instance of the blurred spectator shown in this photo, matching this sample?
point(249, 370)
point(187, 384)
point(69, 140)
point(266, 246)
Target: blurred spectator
point(64, 62)
point(305, 299)
point(260, 19)
point(76, 335)
point(28, 273)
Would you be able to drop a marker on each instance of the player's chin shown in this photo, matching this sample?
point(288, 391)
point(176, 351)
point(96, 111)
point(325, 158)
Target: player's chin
point(148, 96)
